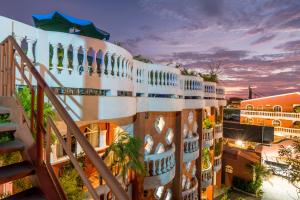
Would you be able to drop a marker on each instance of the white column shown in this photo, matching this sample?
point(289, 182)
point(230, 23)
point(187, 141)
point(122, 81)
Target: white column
point(65, 58)
point(75, 58)
point(109, 66)
point(122, 67)
point(102, 67)
point(55, 57)
point(115, 69)
point(94, 63)
point(84, 61)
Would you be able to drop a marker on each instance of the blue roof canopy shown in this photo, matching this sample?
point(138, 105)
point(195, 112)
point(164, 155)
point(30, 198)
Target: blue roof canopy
point(56, 21)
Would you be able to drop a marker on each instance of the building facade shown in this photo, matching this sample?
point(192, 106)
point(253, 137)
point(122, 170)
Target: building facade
point(280, 111)
point(106, 91)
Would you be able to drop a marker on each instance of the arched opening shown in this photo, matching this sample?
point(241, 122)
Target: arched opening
point(249, 107)
point(99, 61)
point(277, 108)
point(276, 123)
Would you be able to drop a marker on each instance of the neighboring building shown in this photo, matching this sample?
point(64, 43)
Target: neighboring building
point(105, 91)
point(234, 102)
point(236, 163)
point(280, 111)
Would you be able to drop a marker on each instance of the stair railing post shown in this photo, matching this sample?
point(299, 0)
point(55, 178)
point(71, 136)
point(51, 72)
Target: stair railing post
point(39, 124)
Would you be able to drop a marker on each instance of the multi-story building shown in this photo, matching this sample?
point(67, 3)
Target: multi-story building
point(281, 111)
point(105, 91)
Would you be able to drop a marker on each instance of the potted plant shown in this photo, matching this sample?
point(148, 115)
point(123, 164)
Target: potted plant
point(205, 159)
point(207, 124)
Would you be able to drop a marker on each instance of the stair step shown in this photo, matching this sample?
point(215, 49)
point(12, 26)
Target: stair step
point(30, 194)
point(8, 127)
point(4, 110)
point(12, 146)
point(15, 171)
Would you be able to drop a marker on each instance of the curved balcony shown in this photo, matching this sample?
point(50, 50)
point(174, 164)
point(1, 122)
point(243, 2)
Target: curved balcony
point(191, 149)
point(217, 163)
point(207, 137)
point(160, 168)
point(218, 131)
point(210, 90)
point(206, 177)
point(192, 193)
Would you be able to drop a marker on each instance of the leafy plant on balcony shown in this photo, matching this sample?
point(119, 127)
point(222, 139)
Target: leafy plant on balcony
point(142, 59)
point(296, 124)
point(207, 123)
point(218, 148)
point(205, 159)
point(124, 154)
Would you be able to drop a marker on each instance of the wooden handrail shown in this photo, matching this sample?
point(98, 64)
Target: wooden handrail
point(43, 88)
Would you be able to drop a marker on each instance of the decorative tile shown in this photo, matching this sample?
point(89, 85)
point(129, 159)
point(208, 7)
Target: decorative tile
point(159, 124)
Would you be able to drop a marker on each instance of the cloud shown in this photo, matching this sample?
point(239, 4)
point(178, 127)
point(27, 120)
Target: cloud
point(290, 46)
point(263, 39)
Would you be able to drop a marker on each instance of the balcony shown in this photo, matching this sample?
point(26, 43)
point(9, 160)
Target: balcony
point(191, 193)
point(218, 131)
point(207, 137)
point(270, 115)
point(191, 149)
point(282, 131)
point(206, 176)
point(160, 168)
point(217, 163)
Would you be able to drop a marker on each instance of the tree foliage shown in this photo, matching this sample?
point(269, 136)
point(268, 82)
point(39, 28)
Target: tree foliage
point(291, 156)
point(142, 59)
point(214, 72)
point(124, 153)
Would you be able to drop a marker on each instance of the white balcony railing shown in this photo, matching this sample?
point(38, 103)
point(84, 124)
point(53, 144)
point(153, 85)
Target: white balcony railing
point(270, 115)
point(73, 62)
point(282, 131)
point(191, 149)
point(192, 193)
point(206, 177)
point(160, 168)
point(207, 137)
point(218, 131)
point(217, 163)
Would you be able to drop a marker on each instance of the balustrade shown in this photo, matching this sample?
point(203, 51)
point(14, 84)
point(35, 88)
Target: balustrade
point(207, 137)
point(275, 115)
point(218, 131)
point(192, 193)
point(191, 148)
point(217, 163)
point(206, 177)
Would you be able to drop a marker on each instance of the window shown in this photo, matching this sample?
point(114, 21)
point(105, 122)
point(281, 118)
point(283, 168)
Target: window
point(277, 108)
point(159, 124)
point(158, 192)
point(160, 148)
point(169, 136)
point(249, 121)
point(250, 107)
point(276, 123)
point(148, 144)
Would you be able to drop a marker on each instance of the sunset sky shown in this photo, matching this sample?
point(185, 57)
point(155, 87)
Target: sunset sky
point(258, 41)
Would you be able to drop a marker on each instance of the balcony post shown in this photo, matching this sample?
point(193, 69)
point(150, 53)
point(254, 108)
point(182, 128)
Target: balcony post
point(179, 148)
point(139, 131)
point(200, 118)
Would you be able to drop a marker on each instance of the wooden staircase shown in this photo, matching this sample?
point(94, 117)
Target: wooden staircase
point(12, 172)
point(18, 130)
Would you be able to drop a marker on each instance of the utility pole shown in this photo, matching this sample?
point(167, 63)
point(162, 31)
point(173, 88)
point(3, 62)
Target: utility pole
point(250, 92)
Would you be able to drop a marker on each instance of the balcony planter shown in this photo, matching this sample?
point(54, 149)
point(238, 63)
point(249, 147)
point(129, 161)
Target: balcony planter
point(206, 176)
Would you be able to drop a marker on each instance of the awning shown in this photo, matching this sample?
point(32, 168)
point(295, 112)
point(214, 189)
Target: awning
point(56, 21)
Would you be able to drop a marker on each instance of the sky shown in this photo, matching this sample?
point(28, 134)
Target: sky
point(256, 41)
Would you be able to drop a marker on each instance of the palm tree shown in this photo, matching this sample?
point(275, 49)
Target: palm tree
point(124, 154)
point(260, 172)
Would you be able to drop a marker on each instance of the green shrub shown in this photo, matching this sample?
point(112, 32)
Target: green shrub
point(207, 124)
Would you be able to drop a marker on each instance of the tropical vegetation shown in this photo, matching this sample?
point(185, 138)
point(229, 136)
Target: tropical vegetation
point(291, 156)
point(124, 154)
point(205, 158)
point(207, 123)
